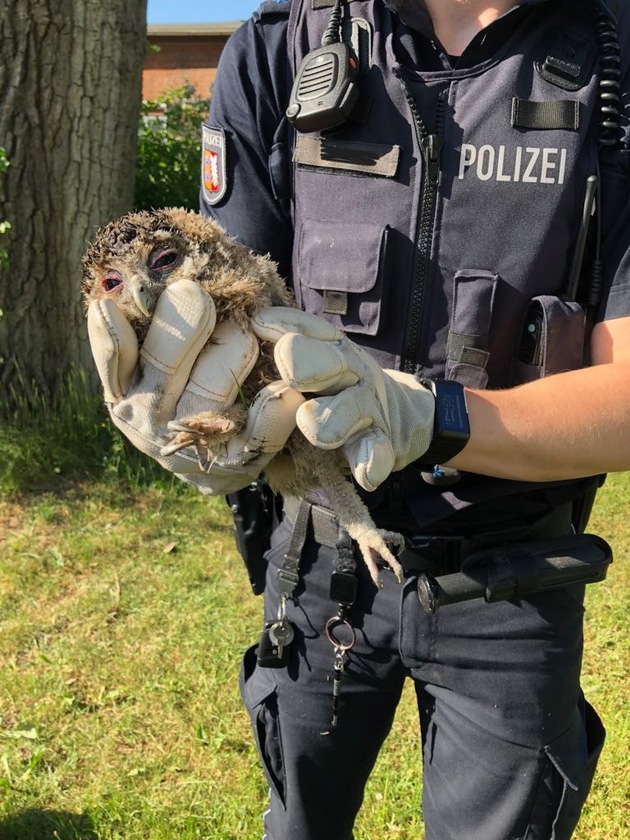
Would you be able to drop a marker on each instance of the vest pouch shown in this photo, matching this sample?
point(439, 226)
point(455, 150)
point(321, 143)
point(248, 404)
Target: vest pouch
point(467, 350)
point(340, 273)
point(552, 339)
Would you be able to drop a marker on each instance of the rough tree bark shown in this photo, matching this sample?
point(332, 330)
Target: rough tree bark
point(70, 95)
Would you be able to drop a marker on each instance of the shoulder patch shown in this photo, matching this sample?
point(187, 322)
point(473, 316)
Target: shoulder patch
point(213, 164)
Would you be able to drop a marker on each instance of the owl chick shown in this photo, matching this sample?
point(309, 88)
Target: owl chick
point(134, 258)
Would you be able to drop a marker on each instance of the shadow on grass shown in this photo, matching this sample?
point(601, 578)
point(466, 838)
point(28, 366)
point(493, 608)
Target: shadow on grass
point(36, 824)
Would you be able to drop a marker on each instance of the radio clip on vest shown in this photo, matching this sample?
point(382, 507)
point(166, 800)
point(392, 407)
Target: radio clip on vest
point(325, 88)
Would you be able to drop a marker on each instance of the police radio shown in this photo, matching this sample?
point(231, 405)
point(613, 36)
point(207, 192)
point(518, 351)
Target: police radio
point(325, 88)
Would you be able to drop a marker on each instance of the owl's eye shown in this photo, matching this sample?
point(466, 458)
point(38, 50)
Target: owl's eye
point(162, 259)
point(112, 281)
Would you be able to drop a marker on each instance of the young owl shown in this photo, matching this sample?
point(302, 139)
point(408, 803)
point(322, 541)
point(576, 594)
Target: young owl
point(134, 258)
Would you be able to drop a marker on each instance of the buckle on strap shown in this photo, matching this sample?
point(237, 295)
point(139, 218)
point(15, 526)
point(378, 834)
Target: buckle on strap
point(324, 522)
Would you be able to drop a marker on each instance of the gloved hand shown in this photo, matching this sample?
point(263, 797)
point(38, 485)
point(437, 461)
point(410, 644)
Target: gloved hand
point(382, 419)
point(180, 375)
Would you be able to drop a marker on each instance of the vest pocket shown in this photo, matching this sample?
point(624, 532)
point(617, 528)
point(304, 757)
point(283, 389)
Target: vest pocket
point(551, 339)
point(340, 273)
point(467, 349)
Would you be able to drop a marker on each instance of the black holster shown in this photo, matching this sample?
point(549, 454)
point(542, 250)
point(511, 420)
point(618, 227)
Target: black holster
point(255, 517)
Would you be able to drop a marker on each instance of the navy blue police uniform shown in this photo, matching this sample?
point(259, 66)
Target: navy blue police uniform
point(427, 226)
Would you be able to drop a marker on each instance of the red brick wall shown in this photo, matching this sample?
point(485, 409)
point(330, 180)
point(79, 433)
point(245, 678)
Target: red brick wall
point(181, 59)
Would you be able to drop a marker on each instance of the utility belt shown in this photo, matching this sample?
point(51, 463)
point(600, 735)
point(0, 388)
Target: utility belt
point(519, 559)
point(441, 552)
point(449, 568)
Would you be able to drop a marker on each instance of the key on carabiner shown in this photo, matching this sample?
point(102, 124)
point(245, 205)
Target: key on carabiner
point(281, 634)
point(340, 645)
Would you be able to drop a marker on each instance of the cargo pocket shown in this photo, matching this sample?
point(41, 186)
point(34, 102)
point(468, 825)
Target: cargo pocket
point(340, 273)
point(259, 693)
point(565, 782)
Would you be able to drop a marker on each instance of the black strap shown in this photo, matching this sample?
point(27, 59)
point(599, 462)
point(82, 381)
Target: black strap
point(288, 575)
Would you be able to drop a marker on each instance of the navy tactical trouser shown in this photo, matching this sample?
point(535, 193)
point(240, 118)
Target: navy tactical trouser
point(509, 744)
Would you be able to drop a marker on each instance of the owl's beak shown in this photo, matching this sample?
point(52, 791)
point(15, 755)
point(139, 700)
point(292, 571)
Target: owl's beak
point(140, 296)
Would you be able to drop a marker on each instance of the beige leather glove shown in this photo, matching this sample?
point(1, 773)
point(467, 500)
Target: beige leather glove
point(178, 374)
point(383, 419)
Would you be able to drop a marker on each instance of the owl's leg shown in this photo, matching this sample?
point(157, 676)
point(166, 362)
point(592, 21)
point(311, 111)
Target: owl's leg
point(374, 543)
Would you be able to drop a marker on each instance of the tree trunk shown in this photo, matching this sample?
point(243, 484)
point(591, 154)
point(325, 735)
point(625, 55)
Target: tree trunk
point(70, 95)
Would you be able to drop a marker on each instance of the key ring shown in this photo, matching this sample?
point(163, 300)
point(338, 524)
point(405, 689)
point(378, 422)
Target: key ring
point(335, 623)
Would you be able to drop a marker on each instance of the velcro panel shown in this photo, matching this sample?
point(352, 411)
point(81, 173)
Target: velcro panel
point(563, 114)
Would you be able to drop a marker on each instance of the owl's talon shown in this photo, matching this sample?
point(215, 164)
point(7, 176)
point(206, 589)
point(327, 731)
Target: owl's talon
point(204, 462)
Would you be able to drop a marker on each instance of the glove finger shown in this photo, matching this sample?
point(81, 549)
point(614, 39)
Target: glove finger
point(114, 347)
point(220, 370)
point(270, 422)
point(271, 323)
point(183, 320)
point(309, 364)
point(371, 458)
point(328, 422)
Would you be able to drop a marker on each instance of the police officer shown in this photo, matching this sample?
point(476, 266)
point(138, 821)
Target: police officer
point(458, 210)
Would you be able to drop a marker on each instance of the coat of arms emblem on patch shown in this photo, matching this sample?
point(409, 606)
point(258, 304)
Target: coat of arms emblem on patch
point(213, 165)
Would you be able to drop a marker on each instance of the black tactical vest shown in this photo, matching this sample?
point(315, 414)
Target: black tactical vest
point(452, 197)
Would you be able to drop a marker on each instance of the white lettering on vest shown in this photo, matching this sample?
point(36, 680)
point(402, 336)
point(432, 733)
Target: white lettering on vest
point(528, 178)
point(501, 174)
point(485, 163)
point(529, 164)
point(517, 163)
point(563, 165)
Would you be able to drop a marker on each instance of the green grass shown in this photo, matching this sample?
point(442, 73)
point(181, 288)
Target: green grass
point(46, 443)
point(123, 614)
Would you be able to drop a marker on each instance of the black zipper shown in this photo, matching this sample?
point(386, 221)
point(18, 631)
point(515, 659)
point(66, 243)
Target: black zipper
point(430, 146)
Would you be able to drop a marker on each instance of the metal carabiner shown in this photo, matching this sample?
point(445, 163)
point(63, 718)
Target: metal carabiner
point(335, 623)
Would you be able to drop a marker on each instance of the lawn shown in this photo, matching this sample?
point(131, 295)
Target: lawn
point(123, 615)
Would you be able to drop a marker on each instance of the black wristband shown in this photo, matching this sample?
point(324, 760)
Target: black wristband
point(451, 429)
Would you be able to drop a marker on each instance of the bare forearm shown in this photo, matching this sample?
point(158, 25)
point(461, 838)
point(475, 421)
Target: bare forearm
point(567, 426)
